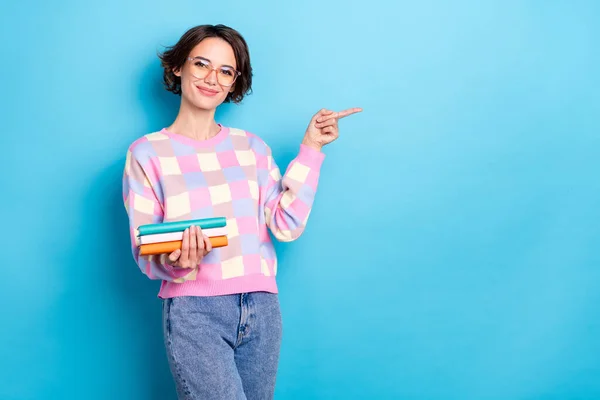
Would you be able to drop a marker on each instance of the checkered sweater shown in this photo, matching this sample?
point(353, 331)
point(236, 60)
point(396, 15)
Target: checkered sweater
point(170, 177)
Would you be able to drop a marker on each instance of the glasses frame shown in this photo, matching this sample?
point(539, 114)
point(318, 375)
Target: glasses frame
point(213, 68)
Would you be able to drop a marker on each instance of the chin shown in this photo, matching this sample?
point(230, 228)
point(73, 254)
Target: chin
point(207, 104)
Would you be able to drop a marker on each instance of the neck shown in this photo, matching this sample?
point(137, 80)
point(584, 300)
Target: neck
point(194, 122)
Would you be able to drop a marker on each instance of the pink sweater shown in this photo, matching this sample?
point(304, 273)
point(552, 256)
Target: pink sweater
point(170, 177)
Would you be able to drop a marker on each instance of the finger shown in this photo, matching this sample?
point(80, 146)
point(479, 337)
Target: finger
point(174, 256)
point(200, 243)
point(207, 245)
point(185, 246)
point(323, 114)
point(193, 245)
point(331, 116)
point(329, 122)
point(347, 112)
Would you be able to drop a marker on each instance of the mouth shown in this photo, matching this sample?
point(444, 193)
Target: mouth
point(207, 92)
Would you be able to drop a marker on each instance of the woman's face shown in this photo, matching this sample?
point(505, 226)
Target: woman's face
point(203, 86)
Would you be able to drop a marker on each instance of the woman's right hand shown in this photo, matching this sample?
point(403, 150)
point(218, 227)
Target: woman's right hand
point(193, 249)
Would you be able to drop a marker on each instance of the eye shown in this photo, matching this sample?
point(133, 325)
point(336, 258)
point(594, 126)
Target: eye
point(226, 71)
point(202, 64)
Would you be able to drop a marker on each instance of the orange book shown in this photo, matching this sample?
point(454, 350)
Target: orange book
point(169, 247)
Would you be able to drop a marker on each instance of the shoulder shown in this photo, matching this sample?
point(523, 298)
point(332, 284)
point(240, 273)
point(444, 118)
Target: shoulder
point(142, 151)
point(144, 146)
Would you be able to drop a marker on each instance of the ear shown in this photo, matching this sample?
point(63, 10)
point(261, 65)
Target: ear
point(177, 72)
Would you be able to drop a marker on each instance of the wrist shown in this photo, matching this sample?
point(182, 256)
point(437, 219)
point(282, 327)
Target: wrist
point(312, 144)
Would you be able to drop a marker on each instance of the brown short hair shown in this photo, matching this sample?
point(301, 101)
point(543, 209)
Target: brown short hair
point(175, 57)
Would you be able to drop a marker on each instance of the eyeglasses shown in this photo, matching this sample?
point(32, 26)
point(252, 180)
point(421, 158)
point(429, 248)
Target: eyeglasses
point(201, 68)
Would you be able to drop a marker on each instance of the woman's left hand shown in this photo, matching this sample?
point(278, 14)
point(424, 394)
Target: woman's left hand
point(323, 127)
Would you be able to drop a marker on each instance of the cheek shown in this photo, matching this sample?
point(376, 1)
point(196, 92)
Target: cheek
point(222, 96)
point(186, 84)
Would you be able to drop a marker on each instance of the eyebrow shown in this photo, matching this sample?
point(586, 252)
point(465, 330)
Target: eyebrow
point(204, 58)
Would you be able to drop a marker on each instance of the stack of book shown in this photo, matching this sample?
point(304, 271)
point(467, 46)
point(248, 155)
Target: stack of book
point(166, 237)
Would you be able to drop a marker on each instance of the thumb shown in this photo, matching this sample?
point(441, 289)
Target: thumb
point(322, 112)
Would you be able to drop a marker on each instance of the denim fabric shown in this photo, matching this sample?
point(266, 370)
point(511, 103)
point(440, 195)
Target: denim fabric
point(223, 347)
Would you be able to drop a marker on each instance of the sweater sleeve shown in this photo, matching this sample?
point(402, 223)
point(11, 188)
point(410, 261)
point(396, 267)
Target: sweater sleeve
point(143, 207)
point(290, 197)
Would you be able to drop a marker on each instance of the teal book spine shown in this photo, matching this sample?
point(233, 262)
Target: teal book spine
point(178, 226)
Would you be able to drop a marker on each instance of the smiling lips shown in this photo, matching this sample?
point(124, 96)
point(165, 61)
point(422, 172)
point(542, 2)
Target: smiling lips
point(207, 92)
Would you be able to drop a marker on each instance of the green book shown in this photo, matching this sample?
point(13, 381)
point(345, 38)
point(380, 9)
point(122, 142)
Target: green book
point(179, 226)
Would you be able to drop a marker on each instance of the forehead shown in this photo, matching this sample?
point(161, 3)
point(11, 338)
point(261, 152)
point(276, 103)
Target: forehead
point(217, 50)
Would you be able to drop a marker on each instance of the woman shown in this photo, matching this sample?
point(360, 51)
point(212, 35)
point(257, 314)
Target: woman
point(221, 317)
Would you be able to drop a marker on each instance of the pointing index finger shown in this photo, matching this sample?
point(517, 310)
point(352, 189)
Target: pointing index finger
point(347, 112)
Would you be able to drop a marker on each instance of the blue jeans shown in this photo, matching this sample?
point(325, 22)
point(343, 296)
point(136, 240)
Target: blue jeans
point(223, 347)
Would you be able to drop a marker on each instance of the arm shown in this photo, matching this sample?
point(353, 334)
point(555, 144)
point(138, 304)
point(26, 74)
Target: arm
point(143, 207)
point(289, 199)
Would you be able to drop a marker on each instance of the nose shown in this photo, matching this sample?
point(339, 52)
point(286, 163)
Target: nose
point(210, 77)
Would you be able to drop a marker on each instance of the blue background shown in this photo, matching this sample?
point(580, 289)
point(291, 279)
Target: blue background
point(453, 251)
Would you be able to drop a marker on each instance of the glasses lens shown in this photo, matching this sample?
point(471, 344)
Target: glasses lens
point(226, 76)
point(200, 68)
